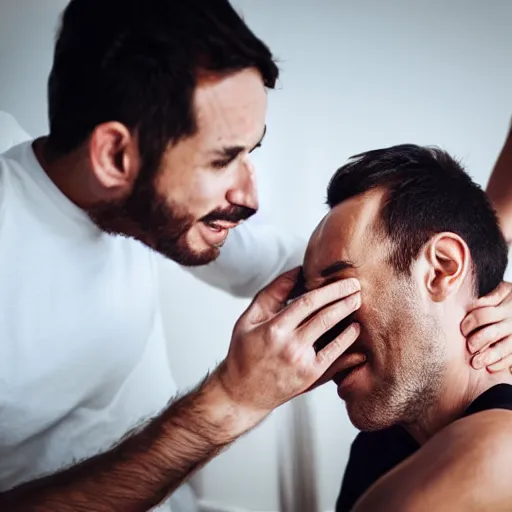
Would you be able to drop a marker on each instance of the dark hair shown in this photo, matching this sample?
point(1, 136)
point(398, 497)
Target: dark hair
point(137, 62)
point(428, 192)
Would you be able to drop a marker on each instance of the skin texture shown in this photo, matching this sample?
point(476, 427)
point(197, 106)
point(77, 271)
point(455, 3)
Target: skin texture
point(417, 372)
point(196, 178)
point(271, 357)
point(466, 466)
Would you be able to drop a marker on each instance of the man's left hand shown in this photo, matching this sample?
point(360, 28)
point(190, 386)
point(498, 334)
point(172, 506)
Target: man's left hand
point(488, 330)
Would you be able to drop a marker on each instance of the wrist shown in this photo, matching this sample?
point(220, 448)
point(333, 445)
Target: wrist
point(226, 408)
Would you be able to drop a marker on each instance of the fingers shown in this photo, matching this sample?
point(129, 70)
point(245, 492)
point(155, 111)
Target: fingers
point(481, 317)
point(496, 297)
point(480, 340)
point(495, 357)
point(329, 317)
point(503, 364)
point(349, 360)
point(328, 355)
point(271, 299)
point(307, 304)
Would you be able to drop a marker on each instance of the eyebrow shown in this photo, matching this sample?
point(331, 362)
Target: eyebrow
point(234, 151)
point(337, 266)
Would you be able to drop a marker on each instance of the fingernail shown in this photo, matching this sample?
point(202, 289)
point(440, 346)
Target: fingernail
point(354, 284)
point(356, 300)
point(477, 362)
point(472, 348)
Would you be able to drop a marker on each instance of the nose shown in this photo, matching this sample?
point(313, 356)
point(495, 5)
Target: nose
point(244, 191)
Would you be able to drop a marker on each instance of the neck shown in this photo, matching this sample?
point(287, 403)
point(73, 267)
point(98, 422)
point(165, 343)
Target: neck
point(67, 173)
point(459, 389)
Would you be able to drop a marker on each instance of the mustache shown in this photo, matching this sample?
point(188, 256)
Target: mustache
point(232, 214)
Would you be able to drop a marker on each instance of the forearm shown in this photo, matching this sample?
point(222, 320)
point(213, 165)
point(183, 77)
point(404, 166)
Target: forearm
point(499, 188)
point(147, 466)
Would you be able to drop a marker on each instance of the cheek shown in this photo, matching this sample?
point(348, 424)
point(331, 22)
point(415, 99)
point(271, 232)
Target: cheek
point(211, 186)
point(373, 323)
point(384, 319)
point(199, 192)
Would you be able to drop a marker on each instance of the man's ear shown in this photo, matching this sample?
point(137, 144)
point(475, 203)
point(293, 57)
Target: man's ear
point(449, 262)
point(114, 157)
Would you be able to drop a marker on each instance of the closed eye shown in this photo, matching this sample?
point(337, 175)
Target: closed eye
point(223, 163)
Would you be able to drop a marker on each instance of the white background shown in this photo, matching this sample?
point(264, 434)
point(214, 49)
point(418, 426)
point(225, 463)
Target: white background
point(356, 75)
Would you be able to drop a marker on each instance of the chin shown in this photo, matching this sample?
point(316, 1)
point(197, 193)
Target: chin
point(367, 415)
point(196, 258)
point(185, 253)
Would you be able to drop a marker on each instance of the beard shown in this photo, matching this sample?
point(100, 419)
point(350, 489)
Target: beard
point(402, 398)
point(147, 216)
point(408, 383)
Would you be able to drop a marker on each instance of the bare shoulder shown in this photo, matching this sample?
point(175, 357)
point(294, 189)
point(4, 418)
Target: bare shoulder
point(466, 466)
point(476, 433)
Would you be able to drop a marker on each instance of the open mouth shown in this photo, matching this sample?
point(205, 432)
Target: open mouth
point(219, 225)
point(215, 232)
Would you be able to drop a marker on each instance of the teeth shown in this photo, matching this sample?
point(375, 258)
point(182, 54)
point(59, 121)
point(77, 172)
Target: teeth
point(213, 226)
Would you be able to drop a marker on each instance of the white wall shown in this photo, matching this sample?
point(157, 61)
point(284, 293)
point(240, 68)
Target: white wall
point(356, 75)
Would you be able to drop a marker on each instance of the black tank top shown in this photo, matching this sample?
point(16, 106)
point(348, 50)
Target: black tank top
point(373, 454)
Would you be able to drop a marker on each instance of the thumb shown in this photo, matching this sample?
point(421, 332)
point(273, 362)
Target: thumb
point(273, 297)
point(496, 297)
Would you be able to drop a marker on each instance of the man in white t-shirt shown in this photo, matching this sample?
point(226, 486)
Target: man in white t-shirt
point(154, 108)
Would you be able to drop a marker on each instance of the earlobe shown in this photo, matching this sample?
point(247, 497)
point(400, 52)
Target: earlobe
point(114, 157)
point(448, 263)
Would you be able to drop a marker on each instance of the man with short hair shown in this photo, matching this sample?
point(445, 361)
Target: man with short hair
point(425, 244)
point(154, 109)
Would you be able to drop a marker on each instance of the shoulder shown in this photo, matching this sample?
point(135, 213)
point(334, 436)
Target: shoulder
point(11, 133)
point(465, 466)
point(476, 435)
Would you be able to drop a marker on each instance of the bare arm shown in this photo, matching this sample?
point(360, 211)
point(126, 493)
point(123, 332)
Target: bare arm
point(464, 467)
point(147, 466)
point(499, 188)
point(271, 359)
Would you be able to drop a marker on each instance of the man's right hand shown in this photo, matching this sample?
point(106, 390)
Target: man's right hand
point(272, 357)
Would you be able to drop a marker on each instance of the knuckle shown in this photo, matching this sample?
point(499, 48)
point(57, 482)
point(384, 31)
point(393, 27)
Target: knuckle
point(292, 356)
point(478, 340)
point(307, 301)
point(492, 356)
point(328, 319)
point(277, 332)
point(479, 317)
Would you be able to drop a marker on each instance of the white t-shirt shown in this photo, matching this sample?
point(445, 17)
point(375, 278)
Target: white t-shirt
point(11, 133)
point(82, 352)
